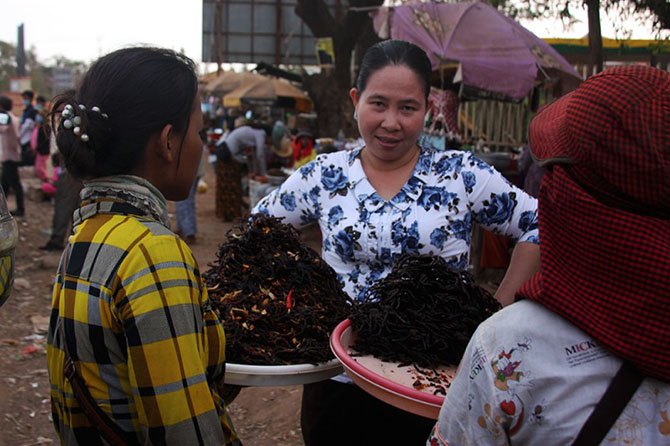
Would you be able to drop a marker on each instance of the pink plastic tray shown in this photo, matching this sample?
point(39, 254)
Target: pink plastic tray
point(387, 381)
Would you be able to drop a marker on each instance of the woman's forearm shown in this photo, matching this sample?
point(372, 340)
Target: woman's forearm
point(524, 263)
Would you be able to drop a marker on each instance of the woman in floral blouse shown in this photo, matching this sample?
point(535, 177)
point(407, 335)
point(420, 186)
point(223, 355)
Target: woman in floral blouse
point(391, 197)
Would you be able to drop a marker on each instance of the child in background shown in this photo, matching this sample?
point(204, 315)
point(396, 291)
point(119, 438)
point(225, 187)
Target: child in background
point(303, 148)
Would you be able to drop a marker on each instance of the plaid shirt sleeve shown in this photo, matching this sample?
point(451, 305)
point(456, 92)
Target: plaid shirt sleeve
point(171, 336)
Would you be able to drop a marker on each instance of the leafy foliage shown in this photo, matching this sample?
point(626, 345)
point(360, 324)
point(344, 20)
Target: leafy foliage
point(7, 64)
point(652, 13)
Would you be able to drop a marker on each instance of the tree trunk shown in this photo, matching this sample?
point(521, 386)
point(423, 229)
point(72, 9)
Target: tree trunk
point(331, 103)
point(595, 37)
point(329, 90)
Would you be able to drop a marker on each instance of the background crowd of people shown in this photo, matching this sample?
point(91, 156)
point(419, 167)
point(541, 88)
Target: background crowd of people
point(27, 142)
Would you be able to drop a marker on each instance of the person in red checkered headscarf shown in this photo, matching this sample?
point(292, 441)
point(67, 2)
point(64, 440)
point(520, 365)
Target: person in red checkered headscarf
point(583, 357)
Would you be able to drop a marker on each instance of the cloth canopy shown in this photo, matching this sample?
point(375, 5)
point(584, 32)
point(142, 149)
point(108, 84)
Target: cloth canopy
point(495, 53)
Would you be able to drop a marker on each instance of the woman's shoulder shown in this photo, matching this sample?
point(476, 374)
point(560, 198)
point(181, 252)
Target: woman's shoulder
point(341, 157)
point(159, 240)
point(459, 160)
point(159, 246)
point(127, 233)
point(107, 246)
point(447, 160)
point(528, 318)
point(462, 155)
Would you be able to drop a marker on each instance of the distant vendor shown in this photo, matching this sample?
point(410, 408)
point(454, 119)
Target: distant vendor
point(232, 158)
point(236, 143)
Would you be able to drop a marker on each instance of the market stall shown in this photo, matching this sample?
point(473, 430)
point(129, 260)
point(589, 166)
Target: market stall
point(228, 81)
point(268, 91)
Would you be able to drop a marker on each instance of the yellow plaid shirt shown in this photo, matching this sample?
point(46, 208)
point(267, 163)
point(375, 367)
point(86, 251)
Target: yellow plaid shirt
point(146, 342)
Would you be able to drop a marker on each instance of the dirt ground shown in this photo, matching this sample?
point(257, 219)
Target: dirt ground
point(263, 416)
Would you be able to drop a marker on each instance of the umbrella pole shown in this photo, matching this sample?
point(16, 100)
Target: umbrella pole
point(217, 34)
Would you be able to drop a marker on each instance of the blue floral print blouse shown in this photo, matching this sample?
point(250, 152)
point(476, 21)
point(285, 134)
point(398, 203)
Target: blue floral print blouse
point(432, 214)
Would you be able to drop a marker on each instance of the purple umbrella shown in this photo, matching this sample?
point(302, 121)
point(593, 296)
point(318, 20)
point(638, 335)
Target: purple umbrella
point(495, 53)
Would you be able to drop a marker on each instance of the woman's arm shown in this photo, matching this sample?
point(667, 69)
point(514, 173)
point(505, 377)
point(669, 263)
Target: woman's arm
point(524, 263)
point(160, 307)
point(505, 209)
point(497, 205)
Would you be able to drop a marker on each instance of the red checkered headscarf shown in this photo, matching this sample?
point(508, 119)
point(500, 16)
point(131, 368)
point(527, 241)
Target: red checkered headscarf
point(604, 212)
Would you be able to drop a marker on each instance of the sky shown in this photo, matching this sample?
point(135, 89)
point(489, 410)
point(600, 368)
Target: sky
point(86, 29)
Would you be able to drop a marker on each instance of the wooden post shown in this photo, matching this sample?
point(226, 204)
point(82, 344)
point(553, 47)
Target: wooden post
point(511, 124)
point(522, 133)
point(489, 121)
point(217, 34)
point(595, 37)
point(278, 33)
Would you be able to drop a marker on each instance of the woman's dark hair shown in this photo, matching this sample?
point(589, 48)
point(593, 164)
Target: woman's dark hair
point(5, 103)
point(395, 52)
point(138, 92)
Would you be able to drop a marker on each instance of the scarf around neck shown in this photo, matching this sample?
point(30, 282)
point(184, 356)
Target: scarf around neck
point(132, 190)
point(605, 270)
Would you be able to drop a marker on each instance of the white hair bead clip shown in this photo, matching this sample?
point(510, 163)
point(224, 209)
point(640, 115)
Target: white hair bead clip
point(73, 121)
point(96, 109)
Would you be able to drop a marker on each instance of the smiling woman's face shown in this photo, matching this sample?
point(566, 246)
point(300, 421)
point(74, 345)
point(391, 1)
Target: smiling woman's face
point(391, 111)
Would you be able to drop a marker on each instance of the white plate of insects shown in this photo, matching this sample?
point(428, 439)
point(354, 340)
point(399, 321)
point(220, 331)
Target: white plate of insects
point(281, 375)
